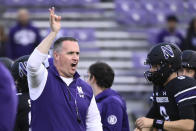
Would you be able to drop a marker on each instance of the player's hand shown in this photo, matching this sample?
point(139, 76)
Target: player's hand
point(55, 20)
point(144, 122)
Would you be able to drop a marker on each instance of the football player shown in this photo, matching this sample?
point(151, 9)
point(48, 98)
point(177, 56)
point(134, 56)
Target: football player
point(188, 63)
point(20, 77)
point(173, 96)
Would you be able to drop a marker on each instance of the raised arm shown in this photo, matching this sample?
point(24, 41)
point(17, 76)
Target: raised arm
point(55, 26)
point(36, 72)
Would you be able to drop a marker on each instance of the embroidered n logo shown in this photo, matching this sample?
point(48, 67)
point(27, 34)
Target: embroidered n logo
point(167, 51)
point(22, 69)
point(80, 91)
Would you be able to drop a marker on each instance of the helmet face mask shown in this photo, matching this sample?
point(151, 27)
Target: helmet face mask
point(167, 57)
point(160, 76)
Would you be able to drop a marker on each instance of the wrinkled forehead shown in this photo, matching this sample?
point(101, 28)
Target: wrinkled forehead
point(70, 46)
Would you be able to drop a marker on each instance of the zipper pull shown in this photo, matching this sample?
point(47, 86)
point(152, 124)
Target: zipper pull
point(69, 93)
point(77, 113)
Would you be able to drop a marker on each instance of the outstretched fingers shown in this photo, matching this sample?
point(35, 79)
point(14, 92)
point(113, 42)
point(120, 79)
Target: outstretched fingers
point(52, 14)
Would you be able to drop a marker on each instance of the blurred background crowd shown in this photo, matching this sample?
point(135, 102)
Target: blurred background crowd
point(118, 32)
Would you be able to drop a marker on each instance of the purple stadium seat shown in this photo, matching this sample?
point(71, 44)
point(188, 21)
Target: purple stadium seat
point(139, 59)
point(64, 2)
point(152, 35)
point(48, 2)
point(74, 2)
point(175, 6)
point(149, 5)
point(16, 2)
point(129, 12)
point(40, 2)
point(82, 35)
point(153, 12)
point(85, 37)
point(192, 6)
point(83, 2)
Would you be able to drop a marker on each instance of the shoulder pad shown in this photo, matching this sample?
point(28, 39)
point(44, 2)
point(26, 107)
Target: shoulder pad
point(185, 91)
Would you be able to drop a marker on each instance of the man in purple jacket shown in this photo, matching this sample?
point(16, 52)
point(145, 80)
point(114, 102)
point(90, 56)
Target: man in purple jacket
point(8, 100)
point(60, 100)
point(170, 33)
point(111, 105)
point(24, 37)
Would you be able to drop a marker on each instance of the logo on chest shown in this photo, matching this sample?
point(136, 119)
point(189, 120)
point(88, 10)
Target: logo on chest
point(80, 91)
point(162, 99)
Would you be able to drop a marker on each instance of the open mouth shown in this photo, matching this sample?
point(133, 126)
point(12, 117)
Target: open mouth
point(73, 64)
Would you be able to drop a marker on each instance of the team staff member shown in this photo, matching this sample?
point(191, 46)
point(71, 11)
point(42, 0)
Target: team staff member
point(111, 105)
point(61, 101)
point(172, 95)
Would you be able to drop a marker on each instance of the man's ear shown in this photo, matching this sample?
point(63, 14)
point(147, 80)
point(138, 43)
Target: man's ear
point(56, 55)
point(93, 79)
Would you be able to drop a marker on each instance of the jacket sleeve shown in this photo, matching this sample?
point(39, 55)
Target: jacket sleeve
point(36, 73)
point(112, 116)
point(93, 119)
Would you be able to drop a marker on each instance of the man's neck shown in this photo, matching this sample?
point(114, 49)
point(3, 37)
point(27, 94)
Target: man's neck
point(97, 90)
point(171, 77)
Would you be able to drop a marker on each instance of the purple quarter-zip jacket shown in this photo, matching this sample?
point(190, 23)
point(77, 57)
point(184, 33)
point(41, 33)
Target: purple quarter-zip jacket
point(61, 107)
point(113, 111)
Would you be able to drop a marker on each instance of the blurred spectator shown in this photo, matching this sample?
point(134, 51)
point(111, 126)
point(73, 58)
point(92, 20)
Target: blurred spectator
point(8, 100)
point(190, 40)
point(3, 42)
point(24, 37)
point(170, 33)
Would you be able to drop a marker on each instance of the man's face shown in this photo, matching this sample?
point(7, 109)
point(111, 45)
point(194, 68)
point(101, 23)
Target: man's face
point(187, 72)
point(154, 68)
point(66, 60)
point(172, 25)
point(23, 16)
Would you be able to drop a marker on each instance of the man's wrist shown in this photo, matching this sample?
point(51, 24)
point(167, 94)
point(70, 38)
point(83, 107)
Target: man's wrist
point(54, 32)
point(159, 124)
